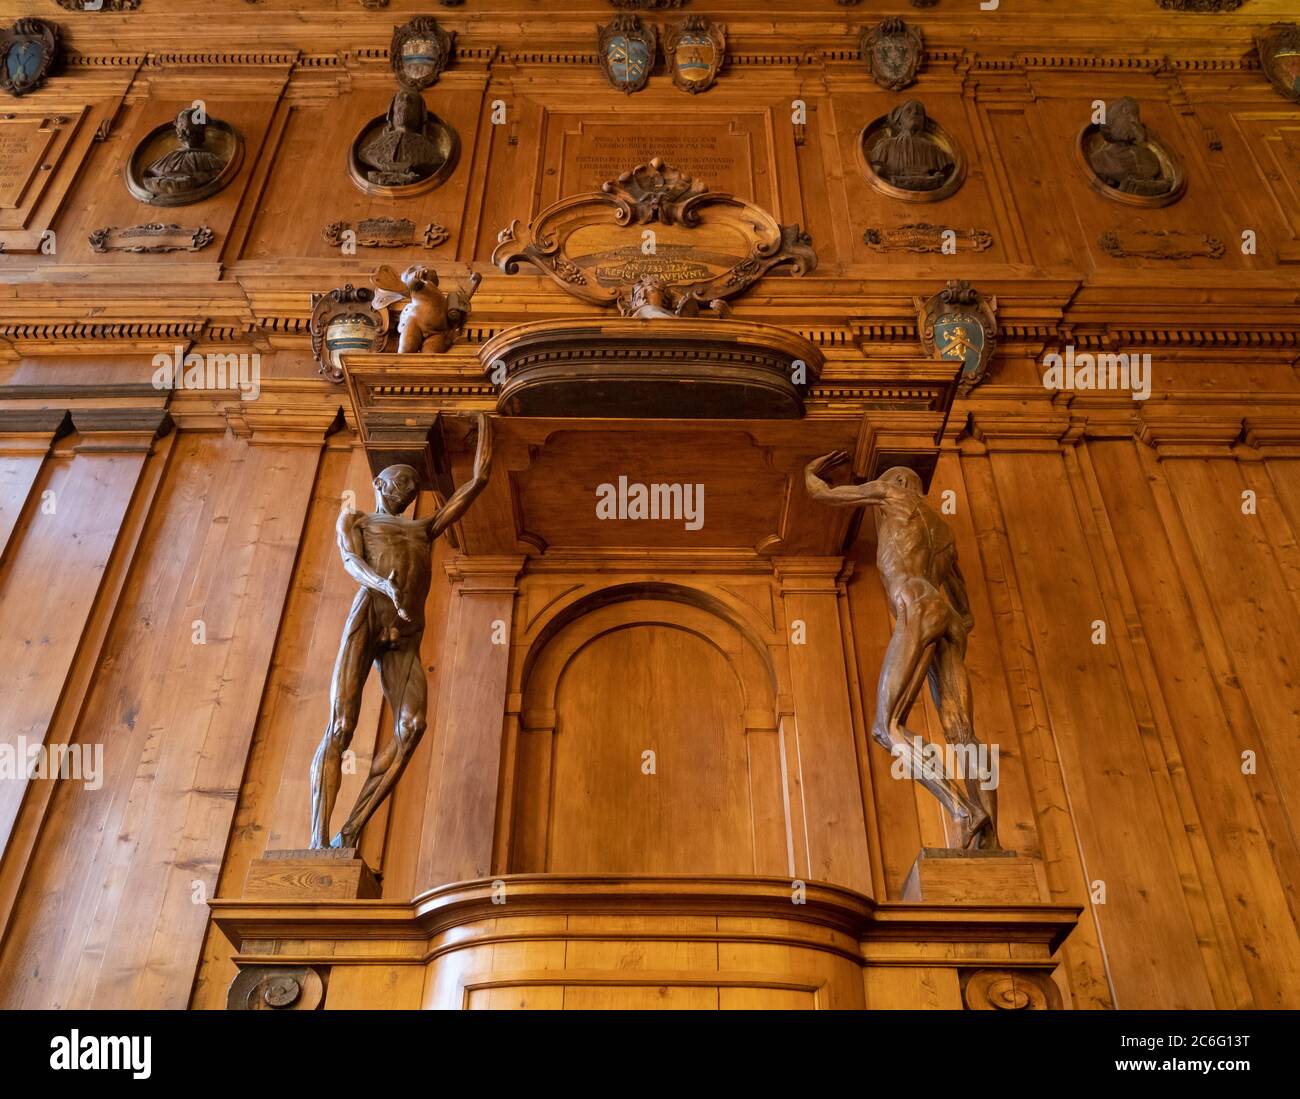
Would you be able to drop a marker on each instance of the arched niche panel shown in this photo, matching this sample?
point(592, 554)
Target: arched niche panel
point(657, 675)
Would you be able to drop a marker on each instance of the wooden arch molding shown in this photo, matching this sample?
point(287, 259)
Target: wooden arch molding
point(552, 772)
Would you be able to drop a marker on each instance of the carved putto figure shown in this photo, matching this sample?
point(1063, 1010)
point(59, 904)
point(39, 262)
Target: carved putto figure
point(905, 156)
point(649, 299)
point(189, 168)
point(391, 558)
point(1123, 158)
point(402, 152)
point(431, 320)
point(916, 555)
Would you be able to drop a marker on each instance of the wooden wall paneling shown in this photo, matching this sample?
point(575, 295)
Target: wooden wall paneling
point(22, 453)
point(460, 815)
point(1251, 866)
point(1084, 973)
point(15, 861)
point(1244, 587)
point(1148, 935)
point(1205, 901)
point(827, 755)
point(49, 581)
point(181, 769)
point(1276, 499)
point(73, 876)
point(193, 799)
point(994, 717)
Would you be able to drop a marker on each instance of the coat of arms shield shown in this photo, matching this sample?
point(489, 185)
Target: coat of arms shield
point(1279, 57)
point(959, 325)
point(695, 50)
point(342, 321)
point(419, 52)
point(27, 51)
point(627, 52)
point(892, 50)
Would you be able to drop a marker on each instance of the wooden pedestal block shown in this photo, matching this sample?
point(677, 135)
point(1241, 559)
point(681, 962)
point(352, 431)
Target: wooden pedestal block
point(336, 873)
point(940, 875)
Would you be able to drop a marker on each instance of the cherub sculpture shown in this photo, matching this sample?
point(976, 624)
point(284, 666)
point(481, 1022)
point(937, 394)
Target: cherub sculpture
point(650, 298)
point(430, 320)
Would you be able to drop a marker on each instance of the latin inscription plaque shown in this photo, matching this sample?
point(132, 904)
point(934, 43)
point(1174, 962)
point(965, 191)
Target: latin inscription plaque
point(721, 153)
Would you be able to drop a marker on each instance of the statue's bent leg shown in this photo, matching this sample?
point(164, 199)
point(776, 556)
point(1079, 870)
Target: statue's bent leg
point(355, 655)
point(918, 627)
point(406, 690)
point(950, 687)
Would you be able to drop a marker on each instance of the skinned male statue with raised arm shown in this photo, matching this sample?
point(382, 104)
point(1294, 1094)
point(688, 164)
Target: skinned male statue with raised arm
point(391, 558)
point(917, 559)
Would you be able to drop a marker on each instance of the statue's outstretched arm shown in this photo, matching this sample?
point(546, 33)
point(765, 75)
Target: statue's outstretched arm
point(843, 496)
point(461, 499)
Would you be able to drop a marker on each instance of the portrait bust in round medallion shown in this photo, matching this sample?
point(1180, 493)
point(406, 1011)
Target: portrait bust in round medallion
point(405, 151)
point(908, 156)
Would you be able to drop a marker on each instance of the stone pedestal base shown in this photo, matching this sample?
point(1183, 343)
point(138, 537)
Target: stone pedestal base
point(941, 875)
point(334, 873)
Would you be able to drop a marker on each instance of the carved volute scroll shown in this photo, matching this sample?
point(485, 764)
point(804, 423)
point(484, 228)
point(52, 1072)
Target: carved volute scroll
point(706, 246)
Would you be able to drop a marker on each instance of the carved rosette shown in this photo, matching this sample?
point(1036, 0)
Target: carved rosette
point(1009, 990)
point(708, 246)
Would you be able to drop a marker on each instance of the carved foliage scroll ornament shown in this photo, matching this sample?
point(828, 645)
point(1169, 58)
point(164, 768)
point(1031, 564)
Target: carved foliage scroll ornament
point(420, 51)
point(1126, 163)
point(1279, 57)
point(1009, 990)
point(1172, 244)
point(695, 50)
point(383, 233)
point(153, 238)
point(345, 320)
point(922, 236)
point(893, 51)
point(958, 324)
point(180, 163)
point(405, 152)
point(709, 246)
point(28, 50)
point(908, 156)
point(626, 49)
point(648, 5)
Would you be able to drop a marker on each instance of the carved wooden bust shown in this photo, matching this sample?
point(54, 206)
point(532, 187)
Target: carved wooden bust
point(906, 156)
point(403, 152)
point(188, 169)
point(1123, 159)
